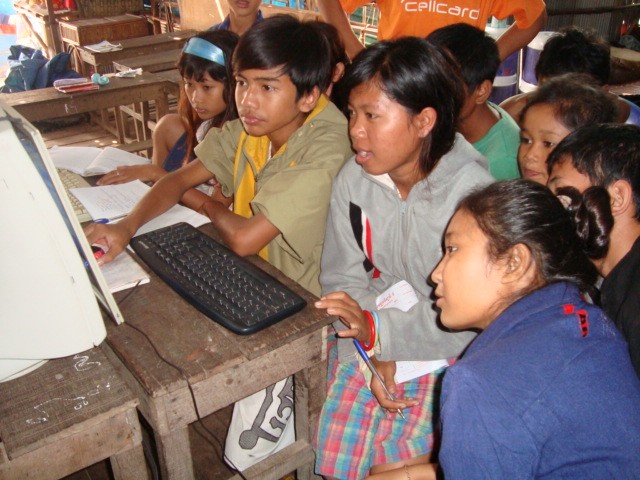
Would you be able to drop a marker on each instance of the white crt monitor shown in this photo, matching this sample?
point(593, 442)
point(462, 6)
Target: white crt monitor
point(50, 284)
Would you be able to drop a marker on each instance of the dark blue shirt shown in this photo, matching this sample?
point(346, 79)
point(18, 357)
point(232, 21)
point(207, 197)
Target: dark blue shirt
point(541, 394)
point(226, 23)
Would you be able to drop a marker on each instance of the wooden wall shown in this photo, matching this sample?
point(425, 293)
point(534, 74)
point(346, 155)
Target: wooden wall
point(201, 14)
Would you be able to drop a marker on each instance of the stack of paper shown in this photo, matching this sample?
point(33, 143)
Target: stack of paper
point(112, 202)
point(123, 272)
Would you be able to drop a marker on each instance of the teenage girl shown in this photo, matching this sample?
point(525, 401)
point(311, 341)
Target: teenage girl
point(557, 108)
point(206, 101)
point(547, 389)
point(389, 208)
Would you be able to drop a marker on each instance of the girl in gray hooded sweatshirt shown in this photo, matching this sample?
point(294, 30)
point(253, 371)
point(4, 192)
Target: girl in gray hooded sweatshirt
point(390, 205)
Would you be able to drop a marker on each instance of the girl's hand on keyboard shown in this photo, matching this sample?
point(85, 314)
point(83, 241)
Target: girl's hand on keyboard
point(124, 174)
point(115, 237)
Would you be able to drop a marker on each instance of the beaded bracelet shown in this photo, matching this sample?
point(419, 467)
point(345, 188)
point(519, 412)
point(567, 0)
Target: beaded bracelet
point(372, 332)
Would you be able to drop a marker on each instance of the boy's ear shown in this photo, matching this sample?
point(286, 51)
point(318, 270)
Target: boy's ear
point(621, 193)
point(308, 101)
point(482, 92)
point(425, 121)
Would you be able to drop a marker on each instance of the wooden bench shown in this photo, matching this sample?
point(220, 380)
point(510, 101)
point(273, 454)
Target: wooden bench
point(67, 415)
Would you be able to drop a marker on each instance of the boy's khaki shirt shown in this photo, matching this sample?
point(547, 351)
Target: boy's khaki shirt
point(293, 188)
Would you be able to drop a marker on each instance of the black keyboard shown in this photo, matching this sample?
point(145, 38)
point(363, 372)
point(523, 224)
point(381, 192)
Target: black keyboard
point(225, 287)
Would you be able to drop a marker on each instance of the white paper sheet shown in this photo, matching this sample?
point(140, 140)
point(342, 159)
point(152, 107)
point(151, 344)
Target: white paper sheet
point(402, 296)
point(87, 161)
point(104, 46)
point(123, 272)
point(115, 201)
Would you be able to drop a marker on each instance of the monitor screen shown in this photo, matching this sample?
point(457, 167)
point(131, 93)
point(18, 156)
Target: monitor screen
point(51, 286)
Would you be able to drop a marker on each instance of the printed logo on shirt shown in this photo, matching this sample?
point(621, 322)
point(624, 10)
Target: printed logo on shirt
point(442, 8)
point(362, 233)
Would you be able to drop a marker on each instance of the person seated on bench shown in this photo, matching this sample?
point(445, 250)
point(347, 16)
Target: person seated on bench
point(206, 102)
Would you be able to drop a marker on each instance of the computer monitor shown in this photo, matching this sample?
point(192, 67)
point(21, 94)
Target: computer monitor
point(50, 283)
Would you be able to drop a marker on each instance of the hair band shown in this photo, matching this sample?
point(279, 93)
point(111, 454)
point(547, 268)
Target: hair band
point(203, 49)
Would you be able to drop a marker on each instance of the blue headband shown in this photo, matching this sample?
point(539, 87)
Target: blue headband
point(203, 49)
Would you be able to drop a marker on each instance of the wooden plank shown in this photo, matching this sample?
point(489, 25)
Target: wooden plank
point(67, 415)
point(156, 62)
point(280, 463)
point(51, 104)
point(272, 367)
point(90, 442)
point(36, 408)
point(136, 47)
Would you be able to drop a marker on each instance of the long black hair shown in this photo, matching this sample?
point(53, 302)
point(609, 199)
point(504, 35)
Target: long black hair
point(524, 212)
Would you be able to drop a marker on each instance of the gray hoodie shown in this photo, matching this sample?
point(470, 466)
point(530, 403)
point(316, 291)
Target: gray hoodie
point(403, 239)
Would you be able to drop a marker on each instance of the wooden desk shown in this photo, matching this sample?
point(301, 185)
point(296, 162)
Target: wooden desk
point(155, 62)
point(134, 47)
point(119, 94)
point(67, 415)
point(221, 368)
point(43, 21)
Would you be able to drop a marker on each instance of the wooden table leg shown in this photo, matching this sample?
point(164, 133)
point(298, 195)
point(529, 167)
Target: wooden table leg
point(174, 451)
point(130, 464)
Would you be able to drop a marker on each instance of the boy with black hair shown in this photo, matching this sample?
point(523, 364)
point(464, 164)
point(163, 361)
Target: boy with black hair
point(575, 50)
point(276, 163)
point(607, 157)
point(485, 125)
point(243, 14)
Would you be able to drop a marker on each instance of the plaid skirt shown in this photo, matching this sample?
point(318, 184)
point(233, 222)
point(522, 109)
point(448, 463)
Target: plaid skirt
point(355, 433)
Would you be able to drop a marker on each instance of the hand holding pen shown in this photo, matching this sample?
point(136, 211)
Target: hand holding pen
point(350, 313)
point(376, 374)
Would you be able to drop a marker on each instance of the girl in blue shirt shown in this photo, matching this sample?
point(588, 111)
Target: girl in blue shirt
point(547, 390)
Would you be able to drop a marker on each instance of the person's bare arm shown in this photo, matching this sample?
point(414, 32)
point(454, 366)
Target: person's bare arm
point(245, 236)
point(164, 194)
point(516, 38)
point(332, 12)
point(423, 471)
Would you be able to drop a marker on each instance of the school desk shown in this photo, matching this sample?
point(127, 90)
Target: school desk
point(154, 62)
point(67, 415)
point(220, 367)
point(102, 62)
point(128, 97)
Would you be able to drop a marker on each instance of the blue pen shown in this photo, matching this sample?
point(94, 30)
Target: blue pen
point(107, 220)
point(375, 372)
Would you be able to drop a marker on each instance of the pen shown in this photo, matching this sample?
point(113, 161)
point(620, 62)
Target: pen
point(375, 372)
point(108, 220)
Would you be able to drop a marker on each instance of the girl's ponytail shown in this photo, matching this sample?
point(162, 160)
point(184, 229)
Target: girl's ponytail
point(591, 214)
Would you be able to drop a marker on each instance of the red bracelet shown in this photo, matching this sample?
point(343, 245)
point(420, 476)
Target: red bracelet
point(372, 332)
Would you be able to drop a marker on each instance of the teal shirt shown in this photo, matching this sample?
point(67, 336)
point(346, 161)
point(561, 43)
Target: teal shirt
point(500, 146)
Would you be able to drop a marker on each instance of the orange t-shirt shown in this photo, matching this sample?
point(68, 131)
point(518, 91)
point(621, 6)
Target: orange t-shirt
point(400, 18)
